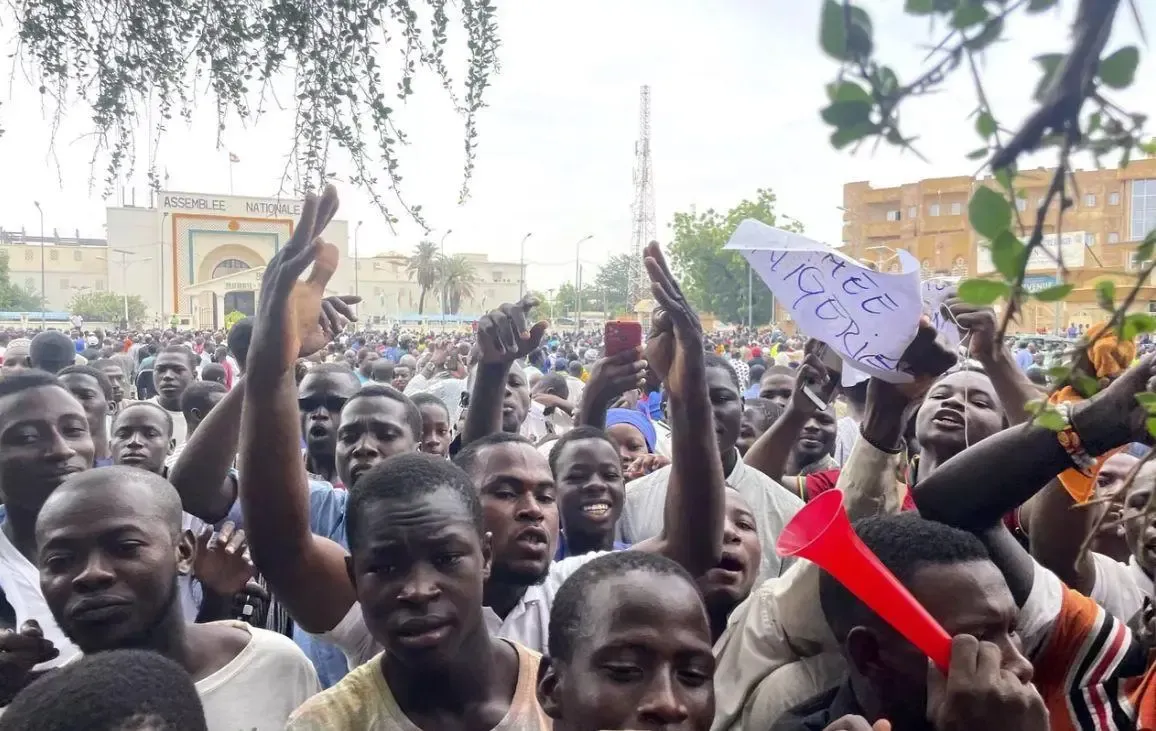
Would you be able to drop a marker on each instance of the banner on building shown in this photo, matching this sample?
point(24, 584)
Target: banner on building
point(1043, 258)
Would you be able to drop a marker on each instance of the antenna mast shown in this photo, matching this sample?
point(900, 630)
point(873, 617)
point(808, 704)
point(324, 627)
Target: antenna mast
point(643, 208)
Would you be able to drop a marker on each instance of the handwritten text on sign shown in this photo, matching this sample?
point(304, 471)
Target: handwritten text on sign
point(935, 292)
point(868, 317)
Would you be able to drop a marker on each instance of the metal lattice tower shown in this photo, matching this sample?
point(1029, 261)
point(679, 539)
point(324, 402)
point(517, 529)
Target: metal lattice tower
point(643, 207)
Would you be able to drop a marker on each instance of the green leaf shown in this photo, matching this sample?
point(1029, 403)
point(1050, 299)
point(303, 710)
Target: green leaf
point(982, 291)
point(848, 91)
point(844, 136)
point(968, 14)
point(1151, 424)
point(978, 154)
point(985, 125)
point(919, 7)
point(1106, 294)
point(859, 34)
point(1038, 6)
point(1060, 372)
point(991, 32)
point(846, 114)
point(989, 213)
point(1054, 293)
point(1137, 323)
point(1049, 418)
point(1051, 65)
point(1146, 399)
point(1094, 121)
point(1119, 69)
point(833, 31)
point(1007, 253)
point(1086, 385)
point(1004, 177)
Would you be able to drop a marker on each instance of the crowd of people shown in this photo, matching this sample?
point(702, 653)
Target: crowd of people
point(301, 525)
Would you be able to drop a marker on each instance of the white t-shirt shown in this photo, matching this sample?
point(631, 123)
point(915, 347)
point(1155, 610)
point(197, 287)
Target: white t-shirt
point(180, 426)
point(20, 581)
point(1120, 588)
point(261, 686)
point(527, 624)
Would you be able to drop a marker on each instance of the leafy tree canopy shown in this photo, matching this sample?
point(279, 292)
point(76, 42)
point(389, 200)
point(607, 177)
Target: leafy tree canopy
point(127, 59)
point(716, 280)
point(107, 307)
point(13, 297)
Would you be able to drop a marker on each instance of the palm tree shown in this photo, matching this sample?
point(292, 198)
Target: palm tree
point(423, 266)
point(458, 278)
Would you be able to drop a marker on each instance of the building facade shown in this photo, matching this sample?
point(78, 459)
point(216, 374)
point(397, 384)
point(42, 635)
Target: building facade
point(201, 256)
point(1112, 212)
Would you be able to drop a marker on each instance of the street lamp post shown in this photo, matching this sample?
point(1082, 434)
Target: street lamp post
point(578, 281)
point(43, 277)
point(445, 289)
point(124, 262)
point(522, 267)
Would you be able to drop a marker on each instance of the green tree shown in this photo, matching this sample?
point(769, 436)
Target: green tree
point(611, 286)
point(119, 63)
point(716, 280)
point(458, 278)
point(107, 307)
point(423, 267)
point(564, 300)
point(13, 297)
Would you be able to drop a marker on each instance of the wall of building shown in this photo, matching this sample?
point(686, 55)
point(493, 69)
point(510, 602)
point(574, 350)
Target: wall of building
point(388, 292)
point(929, 219)
point(71, 265)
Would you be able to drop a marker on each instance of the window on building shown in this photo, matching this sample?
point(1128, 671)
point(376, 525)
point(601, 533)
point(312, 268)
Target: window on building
point(925, 266)
point(1089, 239)
point(76, 255)
point(28, 255)
point(64, 284)
point(892, 215)
point(1113, 198)
point(377, 291)
point(1133, 261)
point(1021, 204)
point(377, 266)
point(100, 285)
point(933, 209)
point(1143, 208)
point(1090, 200)
point(956, 209)
point(54, 255)
point(959, 267)
point(1113, 237)
point(30, 284)
point(913, 211)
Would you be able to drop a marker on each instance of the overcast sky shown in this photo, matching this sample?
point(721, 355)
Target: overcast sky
point(736, 87)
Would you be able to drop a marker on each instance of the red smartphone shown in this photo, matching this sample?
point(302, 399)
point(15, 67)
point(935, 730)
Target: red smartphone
point(622, 335)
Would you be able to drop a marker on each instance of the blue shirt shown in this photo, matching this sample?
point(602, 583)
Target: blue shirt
point(1024, 359)
point(326, 518)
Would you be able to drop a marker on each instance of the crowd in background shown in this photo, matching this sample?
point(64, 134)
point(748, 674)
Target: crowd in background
point(301, 524)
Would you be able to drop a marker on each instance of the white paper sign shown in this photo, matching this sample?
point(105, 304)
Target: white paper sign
point(934, 292)
point(869, 318)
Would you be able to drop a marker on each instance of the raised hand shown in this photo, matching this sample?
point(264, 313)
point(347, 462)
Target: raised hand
point(976, 321)
point(294, 318)
point(19, 653)
point(979, 693)
point(812, 376)
point(615, 375)
point(223, 564)
point(644, 465)
point(674, 347)
point(504, 335)
point(928, 357)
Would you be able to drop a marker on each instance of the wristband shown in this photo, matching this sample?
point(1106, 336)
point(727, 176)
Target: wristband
point(1070, 440)
point(885, 450)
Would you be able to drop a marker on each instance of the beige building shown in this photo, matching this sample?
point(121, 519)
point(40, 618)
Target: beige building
point(1113, 211)
point(201, 256)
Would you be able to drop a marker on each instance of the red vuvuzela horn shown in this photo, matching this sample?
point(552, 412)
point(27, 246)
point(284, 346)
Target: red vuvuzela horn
point(821, 533)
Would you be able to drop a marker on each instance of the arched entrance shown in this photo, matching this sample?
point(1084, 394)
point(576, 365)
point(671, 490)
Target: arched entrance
point(229, 266)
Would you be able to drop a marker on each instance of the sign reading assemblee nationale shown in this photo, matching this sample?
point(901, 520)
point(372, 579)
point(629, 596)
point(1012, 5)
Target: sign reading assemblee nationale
point(869, 318)
point(230, 206)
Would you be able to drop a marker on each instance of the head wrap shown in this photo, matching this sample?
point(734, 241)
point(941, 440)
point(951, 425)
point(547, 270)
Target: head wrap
point(635, 419)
